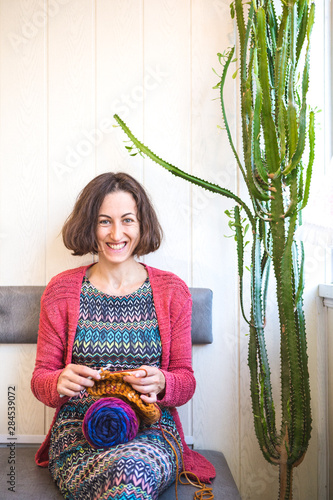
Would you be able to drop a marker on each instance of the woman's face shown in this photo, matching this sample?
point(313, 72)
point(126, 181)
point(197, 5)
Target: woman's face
point(118, 228)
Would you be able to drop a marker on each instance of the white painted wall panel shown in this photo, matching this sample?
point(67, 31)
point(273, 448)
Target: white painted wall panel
point(213, 255)
point(167, 103)
point(16, 366)
point(71, 118)
point(120, 85)
point(22, 143)
point(167, 27)
point(330, 397)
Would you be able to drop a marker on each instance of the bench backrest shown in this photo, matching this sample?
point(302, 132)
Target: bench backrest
point(19, 314)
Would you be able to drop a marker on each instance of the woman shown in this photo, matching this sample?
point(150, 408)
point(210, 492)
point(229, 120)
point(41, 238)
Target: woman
point(120, 312)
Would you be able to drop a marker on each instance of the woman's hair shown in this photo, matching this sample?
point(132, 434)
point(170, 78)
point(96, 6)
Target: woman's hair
point(79, 230)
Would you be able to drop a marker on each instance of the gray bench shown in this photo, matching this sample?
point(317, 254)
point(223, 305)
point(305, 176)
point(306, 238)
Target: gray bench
point(19, 313)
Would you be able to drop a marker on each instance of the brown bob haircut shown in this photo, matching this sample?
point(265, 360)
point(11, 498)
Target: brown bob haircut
point(79, 230)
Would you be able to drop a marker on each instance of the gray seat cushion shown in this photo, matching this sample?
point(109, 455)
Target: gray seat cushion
point(31, 482)
point(224, 486)
point(35, 483)
point(20, 305)
point(19, 314)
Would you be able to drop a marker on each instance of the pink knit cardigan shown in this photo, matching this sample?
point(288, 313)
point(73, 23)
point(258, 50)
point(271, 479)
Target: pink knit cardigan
point(59, 315)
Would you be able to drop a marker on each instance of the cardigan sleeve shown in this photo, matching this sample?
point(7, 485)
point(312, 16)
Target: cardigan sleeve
point(50, 351)
point(179, 378)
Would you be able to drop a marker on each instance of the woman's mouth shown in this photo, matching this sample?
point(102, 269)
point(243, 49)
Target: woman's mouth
point(116, 246)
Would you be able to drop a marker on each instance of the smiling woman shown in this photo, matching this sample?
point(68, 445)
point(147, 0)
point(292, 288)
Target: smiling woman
point(80, 229)
point(123, 315)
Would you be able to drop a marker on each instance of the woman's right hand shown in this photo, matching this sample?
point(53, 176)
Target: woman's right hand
point(75, 378)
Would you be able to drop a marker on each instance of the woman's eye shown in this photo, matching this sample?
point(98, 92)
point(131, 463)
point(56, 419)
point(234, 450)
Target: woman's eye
point(104, 222)
point(128, 221)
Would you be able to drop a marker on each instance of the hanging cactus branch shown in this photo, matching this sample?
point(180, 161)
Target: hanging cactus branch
point(214, 188)
point(277, 129)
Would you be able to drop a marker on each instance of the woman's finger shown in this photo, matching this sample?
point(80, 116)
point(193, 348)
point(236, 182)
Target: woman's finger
point(148, 380)
point(149, 398)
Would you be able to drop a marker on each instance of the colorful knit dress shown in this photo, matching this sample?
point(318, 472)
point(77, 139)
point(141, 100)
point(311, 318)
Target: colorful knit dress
point(122, 331)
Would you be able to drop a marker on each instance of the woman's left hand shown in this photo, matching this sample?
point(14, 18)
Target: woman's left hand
point(149, 381)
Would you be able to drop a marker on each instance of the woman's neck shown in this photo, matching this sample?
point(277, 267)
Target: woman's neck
point(119, 279)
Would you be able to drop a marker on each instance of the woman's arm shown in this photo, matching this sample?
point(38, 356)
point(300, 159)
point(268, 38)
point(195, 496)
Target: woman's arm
point(179, 377)
point(50, 353)
point(51, 379)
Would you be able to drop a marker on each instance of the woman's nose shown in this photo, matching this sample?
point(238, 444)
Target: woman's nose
point(116, 231)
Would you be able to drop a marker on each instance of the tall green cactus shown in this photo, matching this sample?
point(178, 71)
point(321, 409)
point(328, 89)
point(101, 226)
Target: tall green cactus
point(276, 125)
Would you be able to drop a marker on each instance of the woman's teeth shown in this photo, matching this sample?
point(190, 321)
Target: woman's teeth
point(118, 246)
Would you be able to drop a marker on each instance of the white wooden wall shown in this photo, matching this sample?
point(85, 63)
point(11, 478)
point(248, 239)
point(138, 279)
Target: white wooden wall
point(66, 66)
point(330, 393)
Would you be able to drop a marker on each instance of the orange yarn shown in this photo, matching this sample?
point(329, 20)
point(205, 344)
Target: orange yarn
point(204, 492)
point(112, 384)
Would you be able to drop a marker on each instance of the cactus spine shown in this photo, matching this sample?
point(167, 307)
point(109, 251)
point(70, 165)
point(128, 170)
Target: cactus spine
point(276, 124)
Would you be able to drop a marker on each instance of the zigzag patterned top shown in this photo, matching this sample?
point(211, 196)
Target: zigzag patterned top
point(118, 330)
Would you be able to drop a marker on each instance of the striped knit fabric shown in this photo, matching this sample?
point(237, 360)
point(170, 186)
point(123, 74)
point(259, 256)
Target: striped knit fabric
point(123, 331)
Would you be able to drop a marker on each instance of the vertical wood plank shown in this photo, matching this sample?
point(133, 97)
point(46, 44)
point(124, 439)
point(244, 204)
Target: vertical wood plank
point(330, 398)
point(167, 66)
point(167, 100)
point(22, 142)
point(323, 403)
point(216, 400)
point(119, 82)
point(16, 366)
point(71, 111)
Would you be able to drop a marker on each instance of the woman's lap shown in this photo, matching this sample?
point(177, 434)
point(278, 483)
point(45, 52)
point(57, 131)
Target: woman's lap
point(140, 469)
